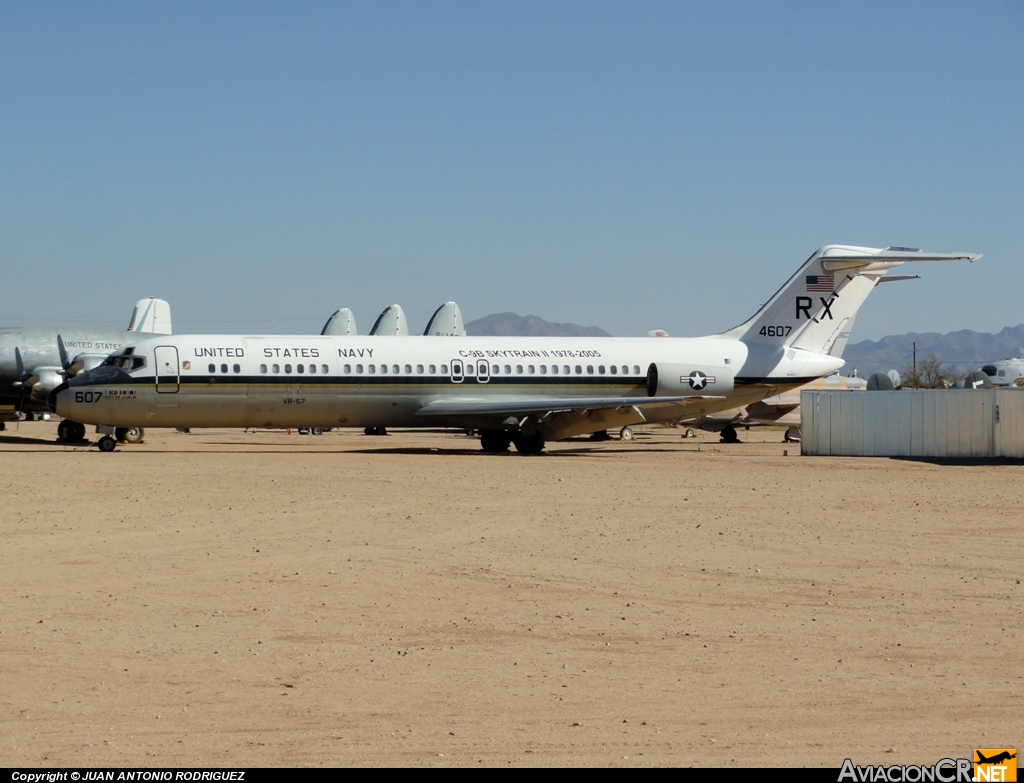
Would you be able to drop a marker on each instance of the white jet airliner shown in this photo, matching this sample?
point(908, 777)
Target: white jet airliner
point(515, 390)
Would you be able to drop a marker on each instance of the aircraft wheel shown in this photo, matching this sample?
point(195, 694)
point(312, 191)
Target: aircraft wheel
point(729, 434)
point(626, 434)
point(495, 441)
point(74, 431)
point(691, 432)
point(135, 435)
point(107, 443)
point(529, 444)
point(792, 435)
point(317, 430)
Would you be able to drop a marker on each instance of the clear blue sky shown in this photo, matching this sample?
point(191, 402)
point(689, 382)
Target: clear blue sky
point(626, 165)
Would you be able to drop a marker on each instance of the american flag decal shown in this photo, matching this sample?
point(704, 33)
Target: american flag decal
point(826, 283)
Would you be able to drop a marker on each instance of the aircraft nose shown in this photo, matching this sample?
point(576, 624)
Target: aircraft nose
point(51, 399)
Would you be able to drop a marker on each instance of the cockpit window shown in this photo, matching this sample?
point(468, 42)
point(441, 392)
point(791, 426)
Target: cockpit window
point(125, 360)
point(990, 370)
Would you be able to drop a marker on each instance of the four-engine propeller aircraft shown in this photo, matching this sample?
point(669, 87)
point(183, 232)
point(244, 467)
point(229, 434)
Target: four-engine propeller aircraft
point(521, 390)
point(35, 360)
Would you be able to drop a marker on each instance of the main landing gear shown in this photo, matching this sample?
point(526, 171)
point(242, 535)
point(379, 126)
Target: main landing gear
point(70, 431)
point(498, 441)
point(495, 441)
point(109, 442)
point(73, 432)
point(729, 434)
point(129, 434)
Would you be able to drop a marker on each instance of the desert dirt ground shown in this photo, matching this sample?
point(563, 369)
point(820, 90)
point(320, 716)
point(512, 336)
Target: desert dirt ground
point(233, 599)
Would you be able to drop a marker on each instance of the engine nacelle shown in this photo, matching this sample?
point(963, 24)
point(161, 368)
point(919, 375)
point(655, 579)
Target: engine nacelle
point(678, 380)
point(49, 379)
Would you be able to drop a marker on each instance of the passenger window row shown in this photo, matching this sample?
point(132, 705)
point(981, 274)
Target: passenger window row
point(432, 369)
point(394, 369)
point(298, 368)
point(554, 369)
point(495, 369)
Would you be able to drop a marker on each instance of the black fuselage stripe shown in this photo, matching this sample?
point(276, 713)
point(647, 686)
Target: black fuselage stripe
point(372, 380)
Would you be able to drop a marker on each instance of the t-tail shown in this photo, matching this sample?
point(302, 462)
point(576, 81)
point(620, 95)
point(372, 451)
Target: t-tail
point(809, 319)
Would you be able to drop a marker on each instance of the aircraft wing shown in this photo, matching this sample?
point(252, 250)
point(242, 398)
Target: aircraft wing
point(778, 402)
point(511, 406)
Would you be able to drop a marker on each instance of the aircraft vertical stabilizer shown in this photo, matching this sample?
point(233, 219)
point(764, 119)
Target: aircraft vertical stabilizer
point(341, 322)
point(151, 315)
point(446, 322)
point(815, 309)
point(391, 323)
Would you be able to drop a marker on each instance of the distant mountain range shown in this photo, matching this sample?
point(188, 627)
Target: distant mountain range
point(511, 324)
point(964, 350)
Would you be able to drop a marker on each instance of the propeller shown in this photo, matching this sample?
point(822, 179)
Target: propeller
point(20, 364)
point(26, 380)
point(71, 367)
point(63, 351)
point(23, 384)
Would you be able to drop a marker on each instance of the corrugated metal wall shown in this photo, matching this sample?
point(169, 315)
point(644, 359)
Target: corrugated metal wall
point(913, 423)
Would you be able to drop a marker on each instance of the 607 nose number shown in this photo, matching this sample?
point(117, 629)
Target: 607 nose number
point(88, 396)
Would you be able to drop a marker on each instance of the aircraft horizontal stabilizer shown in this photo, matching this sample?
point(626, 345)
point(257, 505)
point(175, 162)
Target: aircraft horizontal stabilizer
point(835, 263)
point(898, 278)
point(511, 406)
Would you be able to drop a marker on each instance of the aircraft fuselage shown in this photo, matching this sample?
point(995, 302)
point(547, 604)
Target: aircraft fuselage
point(282, 381)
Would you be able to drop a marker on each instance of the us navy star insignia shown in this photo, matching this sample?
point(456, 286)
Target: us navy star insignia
point(699, 380)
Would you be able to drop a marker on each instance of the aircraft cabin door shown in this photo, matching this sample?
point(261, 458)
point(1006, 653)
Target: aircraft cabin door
point(166, 357)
